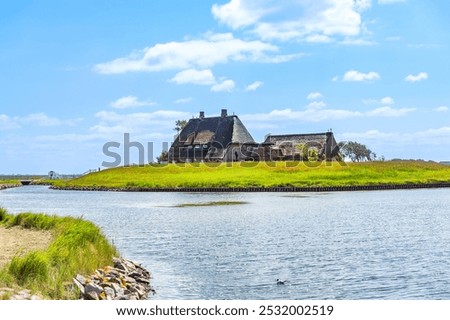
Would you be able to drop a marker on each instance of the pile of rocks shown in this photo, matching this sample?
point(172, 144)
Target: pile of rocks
point(127, 280)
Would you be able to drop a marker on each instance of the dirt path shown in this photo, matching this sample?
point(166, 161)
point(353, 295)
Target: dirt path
point(17, 240)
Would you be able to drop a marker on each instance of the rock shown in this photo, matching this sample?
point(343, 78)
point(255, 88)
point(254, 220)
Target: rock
point(92, 295)
point(81, 279)
point(110, 293)
point(92, 291)
point(79, 285)
point(127, 280)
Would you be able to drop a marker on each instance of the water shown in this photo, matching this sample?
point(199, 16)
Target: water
point(352, 245)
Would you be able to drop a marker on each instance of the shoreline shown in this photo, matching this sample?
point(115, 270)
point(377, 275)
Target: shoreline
point(8, 186)
point(263, 189)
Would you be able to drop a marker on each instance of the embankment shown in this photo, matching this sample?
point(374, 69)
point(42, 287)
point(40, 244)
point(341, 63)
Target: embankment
point(266, 177)
point(8, 185)
point(264, 189)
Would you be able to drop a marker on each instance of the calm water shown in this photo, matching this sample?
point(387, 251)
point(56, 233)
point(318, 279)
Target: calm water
point(355, 245)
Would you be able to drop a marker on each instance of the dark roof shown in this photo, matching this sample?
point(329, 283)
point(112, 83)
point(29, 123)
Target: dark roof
point(304, 137)
point(217, 130)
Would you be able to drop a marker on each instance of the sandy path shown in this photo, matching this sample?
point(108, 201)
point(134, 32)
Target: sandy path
point(17, 240)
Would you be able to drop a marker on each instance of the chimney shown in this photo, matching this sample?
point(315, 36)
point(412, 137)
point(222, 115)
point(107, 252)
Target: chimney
point(224, 113)
point(202, 114)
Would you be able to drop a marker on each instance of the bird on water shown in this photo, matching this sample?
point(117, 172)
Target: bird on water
point(280, 282)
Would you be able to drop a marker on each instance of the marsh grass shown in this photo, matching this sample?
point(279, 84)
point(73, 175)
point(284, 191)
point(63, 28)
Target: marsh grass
point(78, 247)
point(262, 174)
point(209, 204)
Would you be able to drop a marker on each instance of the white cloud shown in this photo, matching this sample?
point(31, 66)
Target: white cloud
point(314, 96)
point(387, 100)
point(308, 115)
point(7, 123)
point(316, 105)
point(183, 100)
point(224, 86)
point(238, 13)
point(43, 120)
point(362, 5)
point(390, 1)
point(354, 75)
point(112, 122)
point(201, 77)
point(308, 20)
point(317, 111)
point(38, 119)
point(358, 42)
point(433, 136)
point(389, 112)
point(130, 102)
point(253, 86)
point(416, 78)
point(204, 53)
point(441, 109)
point(368, 135)
point(382, 101)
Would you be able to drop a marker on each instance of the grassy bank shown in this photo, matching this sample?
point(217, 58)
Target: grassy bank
point(78, 246)
point(279, 174)
point(9, 182)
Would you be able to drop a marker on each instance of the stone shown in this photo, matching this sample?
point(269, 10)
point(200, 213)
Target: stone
point(110, 293)
point(79, 286)
point(129, 280)
point(93, 287)
point(81, 279)
point(92, 295)
point(119, 291)
point(143, 280)
point(135, 274)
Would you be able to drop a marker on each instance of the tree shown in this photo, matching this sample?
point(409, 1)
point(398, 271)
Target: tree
point(163, 157)
point(357, 152)
point(179, 125)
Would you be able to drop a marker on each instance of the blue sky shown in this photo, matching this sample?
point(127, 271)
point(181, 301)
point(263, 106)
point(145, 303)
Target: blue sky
point(78, 74)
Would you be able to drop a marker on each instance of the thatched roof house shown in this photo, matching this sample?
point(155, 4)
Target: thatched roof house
point(294, 146)
point(222, 138)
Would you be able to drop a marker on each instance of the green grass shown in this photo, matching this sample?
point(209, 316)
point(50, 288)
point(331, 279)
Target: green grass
point(78, 247)
point(279, 174)
point(13, 182)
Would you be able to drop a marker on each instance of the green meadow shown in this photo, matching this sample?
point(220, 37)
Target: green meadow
point(78, 247)
point(262, 174)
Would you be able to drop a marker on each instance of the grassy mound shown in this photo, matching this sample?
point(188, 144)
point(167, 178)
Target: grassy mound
point(262, 174)
point(78, 247)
